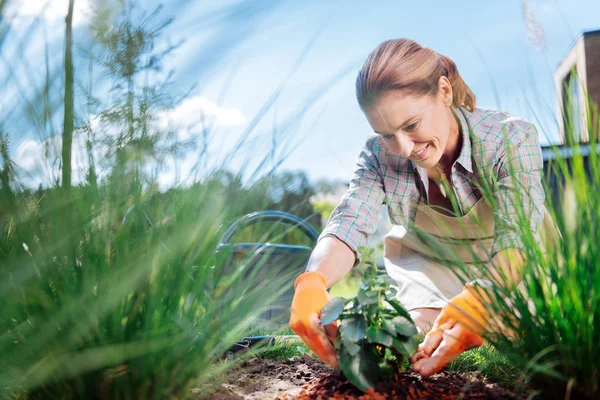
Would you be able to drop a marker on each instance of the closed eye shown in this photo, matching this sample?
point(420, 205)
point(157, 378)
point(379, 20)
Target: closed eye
point(413, 126)
point(387, 137)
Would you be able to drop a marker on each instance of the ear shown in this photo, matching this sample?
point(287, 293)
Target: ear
point(445, 90)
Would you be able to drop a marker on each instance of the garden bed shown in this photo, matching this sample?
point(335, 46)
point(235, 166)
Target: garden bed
point(302, 378)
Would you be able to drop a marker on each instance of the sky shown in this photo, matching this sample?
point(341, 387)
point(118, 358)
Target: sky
point(293, 63)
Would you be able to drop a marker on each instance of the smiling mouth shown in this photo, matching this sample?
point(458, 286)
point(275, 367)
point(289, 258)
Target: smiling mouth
point(418, 153)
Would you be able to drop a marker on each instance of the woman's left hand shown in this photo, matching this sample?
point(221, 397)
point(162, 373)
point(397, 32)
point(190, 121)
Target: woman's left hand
point(457, 328)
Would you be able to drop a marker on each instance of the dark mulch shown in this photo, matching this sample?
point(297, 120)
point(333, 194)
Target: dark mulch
point(309, 378)
point(407, 385)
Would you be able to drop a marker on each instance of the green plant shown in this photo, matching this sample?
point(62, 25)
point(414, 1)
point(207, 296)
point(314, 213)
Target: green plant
point(555, 338)
point(109, 291)
point(349, 285)
point(375, 331)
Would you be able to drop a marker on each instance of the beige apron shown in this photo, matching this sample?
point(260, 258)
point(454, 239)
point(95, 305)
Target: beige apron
point(421, 270)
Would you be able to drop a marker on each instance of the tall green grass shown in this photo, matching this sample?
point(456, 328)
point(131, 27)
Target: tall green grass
point(136, 313)
point(113, 289)
point(558, 312)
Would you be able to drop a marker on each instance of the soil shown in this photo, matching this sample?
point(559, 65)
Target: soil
point(309, 378)
point(260, 379)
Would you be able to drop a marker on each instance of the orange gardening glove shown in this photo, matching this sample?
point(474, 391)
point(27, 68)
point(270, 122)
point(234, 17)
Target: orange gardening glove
point(457, 328)
point(310, 297)
point(467, 308)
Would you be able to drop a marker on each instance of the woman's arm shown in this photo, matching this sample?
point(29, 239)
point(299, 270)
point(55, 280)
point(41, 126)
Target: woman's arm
point(333, 258)
point(354, 219)
point(508, 265)
point(520, 196)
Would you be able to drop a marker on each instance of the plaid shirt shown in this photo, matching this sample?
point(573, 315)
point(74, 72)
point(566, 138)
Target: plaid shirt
point(499, 151)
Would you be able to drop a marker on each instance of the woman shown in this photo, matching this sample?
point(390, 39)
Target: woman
point(431, 153)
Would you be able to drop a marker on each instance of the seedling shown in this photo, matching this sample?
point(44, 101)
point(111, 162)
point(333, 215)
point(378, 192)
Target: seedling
point(375, 330)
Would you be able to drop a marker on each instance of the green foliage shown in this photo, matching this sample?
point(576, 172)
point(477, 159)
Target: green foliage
point(114, 291)
point(126, 45)
point(287, 191)
point(139, 302)
point(555, 339)
point(375, 331)
point(136, 313)
point(324, 207)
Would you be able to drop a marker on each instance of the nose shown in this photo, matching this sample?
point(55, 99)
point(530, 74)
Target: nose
point(405, 145)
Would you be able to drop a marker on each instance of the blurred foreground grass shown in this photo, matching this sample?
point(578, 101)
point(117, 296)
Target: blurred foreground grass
point(110, 287)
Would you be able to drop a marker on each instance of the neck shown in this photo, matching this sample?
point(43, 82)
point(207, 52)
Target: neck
point(454, 145)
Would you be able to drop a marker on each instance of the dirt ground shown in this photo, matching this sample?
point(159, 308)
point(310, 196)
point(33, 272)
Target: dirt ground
point(309, 378)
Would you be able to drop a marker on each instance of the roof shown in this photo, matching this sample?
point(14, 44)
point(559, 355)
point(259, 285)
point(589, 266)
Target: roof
point(591, 32)
point(566, 151)
point(582, 34)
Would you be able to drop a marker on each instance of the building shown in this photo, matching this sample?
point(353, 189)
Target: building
point(577, 83)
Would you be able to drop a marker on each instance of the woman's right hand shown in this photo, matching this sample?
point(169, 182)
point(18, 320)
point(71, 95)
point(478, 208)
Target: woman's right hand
point(309, 299)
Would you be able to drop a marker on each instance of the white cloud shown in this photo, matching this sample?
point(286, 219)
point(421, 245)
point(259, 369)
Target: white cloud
point(40, 160)
point(51, 10)
point(28, 154)
point(199, 110)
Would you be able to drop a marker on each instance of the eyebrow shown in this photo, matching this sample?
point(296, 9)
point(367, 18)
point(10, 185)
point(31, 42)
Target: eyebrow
point(407, 122)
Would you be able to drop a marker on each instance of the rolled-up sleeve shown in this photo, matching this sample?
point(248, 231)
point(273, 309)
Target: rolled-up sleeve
point(519, 192)
point(356, 216)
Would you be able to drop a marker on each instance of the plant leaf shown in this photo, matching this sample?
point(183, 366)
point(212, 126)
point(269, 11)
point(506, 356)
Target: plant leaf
point(376, 335)
point(400, 309)
point(366, 297)
point(389, 326)
point(404, 327)
point(385, 280)
point(354, 328)
point(406, 347)
point(391, 293)
point(371, 309)
point(351, 347)
point(332, 310)
point(362, 369)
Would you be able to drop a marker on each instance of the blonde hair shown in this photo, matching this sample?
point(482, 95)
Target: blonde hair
point(403, 64)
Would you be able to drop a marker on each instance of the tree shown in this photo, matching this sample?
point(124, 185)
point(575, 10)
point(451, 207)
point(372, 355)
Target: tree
point(128, 54)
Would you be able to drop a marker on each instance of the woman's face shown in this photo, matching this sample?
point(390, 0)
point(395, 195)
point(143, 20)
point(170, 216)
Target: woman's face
point(422, 129)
